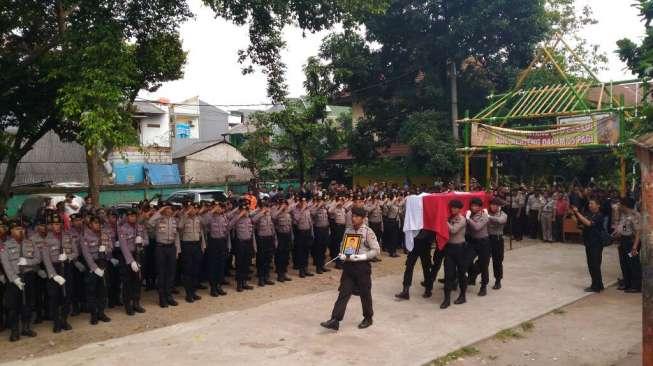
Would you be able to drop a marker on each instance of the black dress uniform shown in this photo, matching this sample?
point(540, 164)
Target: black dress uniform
point(58, 254)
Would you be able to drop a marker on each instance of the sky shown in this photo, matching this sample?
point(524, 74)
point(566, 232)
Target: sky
point(213, 72)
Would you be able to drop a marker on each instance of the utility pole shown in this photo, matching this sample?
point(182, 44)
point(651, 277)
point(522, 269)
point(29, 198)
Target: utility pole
point(453, 77)
point(171, 124)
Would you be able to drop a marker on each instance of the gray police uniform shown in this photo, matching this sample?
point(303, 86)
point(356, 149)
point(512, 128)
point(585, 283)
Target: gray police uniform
point(58, 254)
point(629, 225)
point(283, 228)
point(133, 240)
point(265, 245)
point(495, 226)
point(320, 218)
point(96, 249)
point(217, 227)
point(166, 237)
point(192, 244)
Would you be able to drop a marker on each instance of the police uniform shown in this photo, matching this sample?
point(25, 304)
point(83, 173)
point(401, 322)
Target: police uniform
point(547, 215)
point(19, 260)
point(339, 222)
point(455, 261)
point(628, 227)
point(244, 246)
point(217, 228)
point(495, 225)
point(192, 245)
point(265, 245)
point(78, 295)
point(283, 228)
point(391, 226)
point(96, 249)
point(303, 224)
point(356, 276)
point(39, 237)
point(58, 253)
point(133, 241)
point(375, 218)
point(421, 250)
point(166, 238)
point(110, 228)
point(533, 207)
point(480, 246)
point(320, 218)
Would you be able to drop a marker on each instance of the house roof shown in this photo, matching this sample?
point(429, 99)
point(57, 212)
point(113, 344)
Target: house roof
point(197, 147)
point(145, 107)
point(391, 151)
point(242, 128)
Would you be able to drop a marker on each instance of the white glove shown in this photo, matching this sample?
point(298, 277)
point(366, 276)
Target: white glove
point(114, 261)
point(80, 267)
point(485, 211)
point(3, 279)
point(102, 249)
point(63, 257)
point(358, 257)
point(135, 266)
point(99, 272)
point(42, 274)
point(19, 283)
point(342, 257)
point(468, 214)
point(58, 279)
point(116, 244)
point(138, 240)
point(22, 261)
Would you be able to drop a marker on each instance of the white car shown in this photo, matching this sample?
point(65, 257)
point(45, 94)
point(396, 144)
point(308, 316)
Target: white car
point(197, 195)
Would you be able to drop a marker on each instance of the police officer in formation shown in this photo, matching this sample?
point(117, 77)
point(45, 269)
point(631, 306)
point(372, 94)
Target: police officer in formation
point(338, 213)
point(133, 239)
point(456, 256)
point(320, 218)
point(283, 228)
point(266, 242)
point(216, 224)
point(241, 222)
point(497, 219)
point(166, 237)
point(58, 253)
point(303, 225)
point(479, 244)
point(192, 242)
point(97, 248)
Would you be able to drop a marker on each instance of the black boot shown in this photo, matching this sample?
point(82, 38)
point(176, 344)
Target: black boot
point(482, 291)
point(27, 331)
point(163, 302)
point(427, 293)
point(221, 292)
point(497, 285)
point(302, 273)
point(129, 308)
point(171, 301)
point(404, 294)
point(239, 286)
point(15, 335)
point(318, 270)
point(331, 324)
point(103, 317)
point(261, 282)
point(447, 300)
point(365, 323)
point(280, 277)
point(196, 297)
point(56, 326)
point(64, 323)
point(137, 307)
point(214, 291)
point(246, 286)
point(461, 299)
point(268, 281)
point(94, 317)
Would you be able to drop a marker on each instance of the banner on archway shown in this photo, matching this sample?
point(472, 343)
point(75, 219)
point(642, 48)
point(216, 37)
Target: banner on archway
point(603, 129)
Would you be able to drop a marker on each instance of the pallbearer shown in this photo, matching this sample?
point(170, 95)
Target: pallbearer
point(357, 272)
point(456, 256)
point(133, 240)
point(496, 221)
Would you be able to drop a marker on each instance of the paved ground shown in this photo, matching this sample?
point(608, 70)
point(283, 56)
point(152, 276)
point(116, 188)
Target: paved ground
point(286, 332)
point(598, 330)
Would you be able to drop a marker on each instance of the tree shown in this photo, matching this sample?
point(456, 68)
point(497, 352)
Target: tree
point(257, 148)
point(75, 68)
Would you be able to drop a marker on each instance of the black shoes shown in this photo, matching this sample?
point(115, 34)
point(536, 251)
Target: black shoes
point(331, 324)
point(189, 299)
point(497, 285)
point(66, 326)
point(365, 323)
point(591, 289)
point(138, 308)
point(246, 286)
point(172, 302)
point(94, 319)
point(197, 297)
point(427, 293)
point(461, 299)
point(632, 290)
point(318, 270)
point(405, 294)
point(261, 282)
point(447, 300)
point(15, 336)
point(269, 282)
point(129, 310)
point(482, 291)
point(103, 318)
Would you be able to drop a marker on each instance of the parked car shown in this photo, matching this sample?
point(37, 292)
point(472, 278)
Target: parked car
point(33, 203)
point(197, 195)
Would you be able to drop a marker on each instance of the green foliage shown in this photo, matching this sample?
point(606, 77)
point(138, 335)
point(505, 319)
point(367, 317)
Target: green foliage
point(508, 334)
point(266, 20)
point(453, 356)
point(428, 135)
point(257, 148)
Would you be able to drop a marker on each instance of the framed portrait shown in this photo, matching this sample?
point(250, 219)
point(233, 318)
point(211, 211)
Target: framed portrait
point(351, 244)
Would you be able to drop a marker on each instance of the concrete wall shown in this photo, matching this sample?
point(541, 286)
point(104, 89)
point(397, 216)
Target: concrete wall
point(213, 165)
point(213, 122)
point(155, 131)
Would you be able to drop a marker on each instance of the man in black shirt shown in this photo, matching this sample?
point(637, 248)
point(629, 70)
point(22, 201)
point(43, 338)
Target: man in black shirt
point(592, 223)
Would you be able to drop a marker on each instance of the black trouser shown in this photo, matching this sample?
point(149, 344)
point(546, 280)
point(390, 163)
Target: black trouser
point(13, 301)
point(481, 249)
point(630, 266)
point(594, 254)
point(96, 289)
point(41, 296)
point(533, 223)
point(282, 252)
point(32, 282)
point(421, 250)
point(243, 259)
point(303, 244)
point(78, 296)
point(131, 281)
point(517, 223)
point(336, 239)
point(166, 268)
point(320, 245)
point(264, 255)
point(113, 279)
point(356, 279)
point(378, 231)
point(191, 264)
point(497, 249)
point(438, 258)
point(456, 263)
point(390, 233)
point(216, 256)
point(557, 228)
point(149, 264)
point(59, 296)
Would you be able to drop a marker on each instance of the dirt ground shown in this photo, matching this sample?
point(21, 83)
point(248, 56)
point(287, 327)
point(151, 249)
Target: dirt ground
point(598, 330)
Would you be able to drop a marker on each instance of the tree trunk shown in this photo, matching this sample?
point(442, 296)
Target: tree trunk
point(93, 176)
point(7, 181)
